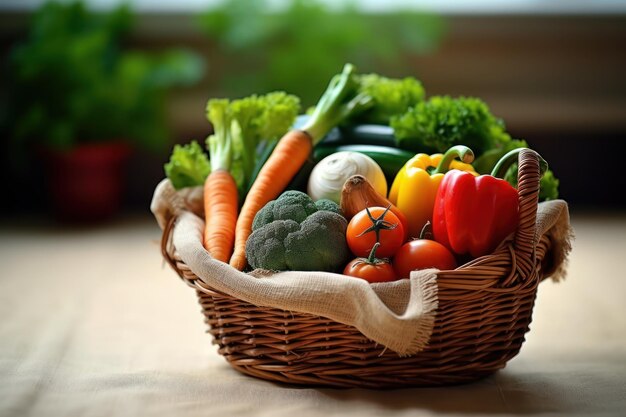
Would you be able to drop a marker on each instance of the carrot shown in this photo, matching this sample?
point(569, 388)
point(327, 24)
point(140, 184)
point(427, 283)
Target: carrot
point(220, 213)
point(290, 153)
point(339, 102)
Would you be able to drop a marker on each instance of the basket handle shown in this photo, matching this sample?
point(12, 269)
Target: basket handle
point(528, 177)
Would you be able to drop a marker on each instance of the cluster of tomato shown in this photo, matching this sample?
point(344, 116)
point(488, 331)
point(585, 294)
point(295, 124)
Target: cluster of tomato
point(378, 238)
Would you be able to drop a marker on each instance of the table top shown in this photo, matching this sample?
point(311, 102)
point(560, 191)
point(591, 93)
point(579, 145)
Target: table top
point(93, 323)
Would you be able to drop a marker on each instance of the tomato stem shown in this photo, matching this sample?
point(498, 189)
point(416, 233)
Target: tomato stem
point(378, 223)
point(427, 231)
point(371, 259)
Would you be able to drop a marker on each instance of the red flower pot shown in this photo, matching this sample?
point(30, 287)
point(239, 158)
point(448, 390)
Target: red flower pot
point(86, 183)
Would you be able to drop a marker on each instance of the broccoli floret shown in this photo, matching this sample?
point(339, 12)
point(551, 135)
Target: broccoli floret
point(319, 245)
point(291, 205)
point(188, 166)
point(265, 248)
point(294, 233)
point(328, 205)
point(391, 96)
point(442, 122)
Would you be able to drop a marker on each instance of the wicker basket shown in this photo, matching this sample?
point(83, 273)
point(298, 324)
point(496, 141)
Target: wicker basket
point(484, 310)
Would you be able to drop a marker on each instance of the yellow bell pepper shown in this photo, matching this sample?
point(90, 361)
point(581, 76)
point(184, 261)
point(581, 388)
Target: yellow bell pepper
point(414, 189)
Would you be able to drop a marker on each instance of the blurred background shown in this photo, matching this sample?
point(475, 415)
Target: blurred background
point(118, 84)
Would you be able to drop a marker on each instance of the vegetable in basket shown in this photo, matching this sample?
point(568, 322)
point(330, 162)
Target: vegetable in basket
point(295, 233)
point(391, 96)
point(358, 194)
point(548, 185)
point(414, 189)
point(484, 164)
point(188, 166)
point(375, 225)
point(240, 128)
point(422, 253)
point(371, 269)
point(390, 159)
point(473, 215)
point(262, 120)
point(330, 174)
point(220, 189)
point(339, 102)
point(443, 121)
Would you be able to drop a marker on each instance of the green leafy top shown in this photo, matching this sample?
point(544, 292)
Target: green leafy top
point(548, 185)
point(220, 142)
point(188, 166)
point(341, 101)
point(442, 122)
point(391, 96)
point(248, 126)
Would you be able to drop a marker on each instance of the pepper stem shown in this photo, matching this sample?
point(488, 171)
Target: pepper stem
point(511, 157)
point(464, 153)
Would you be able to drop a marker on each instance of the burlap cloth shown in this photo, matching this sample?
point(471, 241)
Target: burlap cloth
point(399, 315)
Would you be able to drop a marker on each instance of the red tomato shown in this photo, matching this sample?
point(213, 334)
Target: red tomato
point(361, 233)
point(377, 271)
point(422, 254)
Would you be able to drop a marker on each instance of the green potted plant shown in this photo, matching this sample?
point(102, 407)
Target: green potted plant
point(82, 103)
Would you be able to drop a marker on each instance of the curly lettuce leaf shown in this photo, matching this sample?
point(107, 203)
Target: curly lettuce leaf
point(391, 96)
point(260, 121)
point(188, 166)
point(443, 122)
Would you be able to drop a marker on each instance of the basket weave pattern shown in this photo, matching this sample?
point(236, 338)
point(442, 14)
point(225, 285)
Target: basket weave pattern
point(484, 310)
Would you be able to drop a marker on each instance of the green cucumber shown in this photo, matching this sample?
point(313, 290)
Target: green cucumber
point(368, 134)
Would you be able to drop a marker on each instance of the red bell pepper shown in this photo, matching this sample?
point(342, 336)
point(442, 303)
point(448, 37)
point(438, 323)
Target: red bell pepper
point(473, 215)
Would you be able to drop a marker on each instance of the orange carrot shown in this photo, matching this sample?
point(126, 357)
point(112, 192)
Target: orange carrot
point(220, 213)
point(340, 101)
point(283, 164)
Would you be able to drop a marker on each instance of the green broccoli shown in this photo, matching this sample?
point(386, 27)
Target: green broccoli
point(188, 166)
point(442, 122)
point(293, 233)
point(391, 97)
point(328, 205)
point(290, 205)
